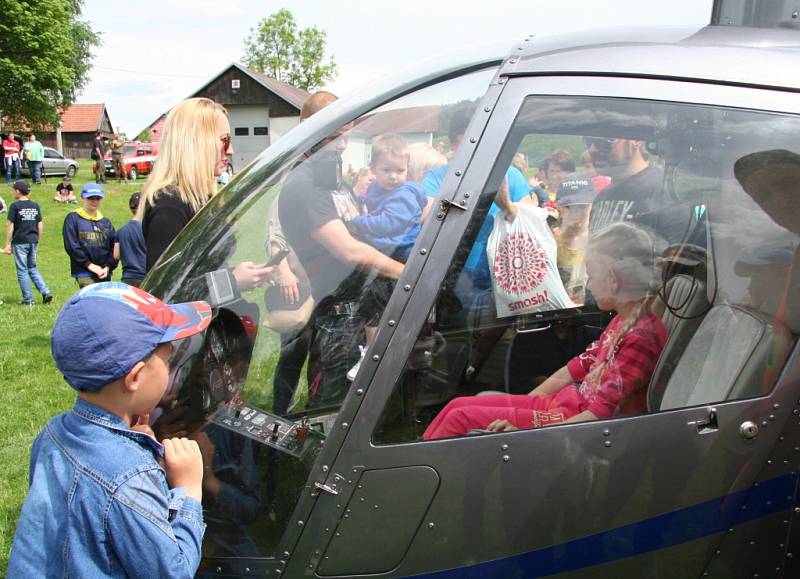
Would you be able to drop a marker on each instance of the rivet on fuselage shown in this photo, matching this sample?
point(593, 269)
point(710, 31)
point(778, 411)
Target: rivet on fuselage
point(504, 447)
point(360, 392)
point(506, 458)
point(607, 444)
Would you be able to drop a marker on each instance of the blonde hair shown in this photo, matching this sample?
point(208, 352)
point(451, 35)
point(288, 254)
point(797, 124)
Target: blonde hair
point(423, 158)
point(187, 154)
point(388, 145)
point(630, 253)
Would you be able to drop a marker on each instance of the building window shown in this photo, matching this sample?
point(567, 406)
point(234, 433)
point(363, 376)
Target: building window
point(260, 131)
point(241, 131)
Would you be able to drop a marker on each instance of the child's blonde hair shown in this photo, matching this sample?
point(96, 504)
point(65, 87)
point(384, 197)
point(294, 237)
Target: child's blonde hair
point(388, 145)
point(187, 154)
point(423, 158)
point(631, 256)
point(630, 253)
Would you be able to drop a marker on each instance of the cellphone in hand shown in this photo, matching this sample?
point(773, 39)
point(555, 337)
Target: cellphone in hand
point(277, 258)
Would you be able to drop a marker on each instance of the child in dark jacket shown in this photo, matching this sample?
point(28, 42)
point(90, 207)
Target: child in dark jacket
point(89, 239)
point(394, 210)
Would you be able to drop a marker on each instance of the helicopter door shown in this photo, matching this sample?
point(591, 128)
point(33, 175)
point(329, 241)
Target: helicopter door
point(666, 453)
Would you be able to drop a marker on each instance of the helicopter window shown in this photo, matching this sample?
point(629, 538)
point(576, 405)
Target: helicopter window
point(264, 388)
point(649, 267)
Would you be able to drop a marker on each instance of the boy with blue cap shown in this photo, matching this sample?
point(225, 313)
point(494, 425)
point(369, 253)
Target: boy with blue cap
point(100, 503)
point(89, 239)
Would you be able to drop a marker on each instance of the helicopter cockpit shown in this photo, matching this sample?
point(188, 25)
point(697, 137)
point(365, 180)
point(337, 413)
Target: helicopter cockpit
point(275, 386)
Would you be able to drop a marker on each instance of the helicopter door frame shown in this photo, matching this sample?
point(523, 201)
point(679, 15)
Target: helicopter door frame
point(701, 472)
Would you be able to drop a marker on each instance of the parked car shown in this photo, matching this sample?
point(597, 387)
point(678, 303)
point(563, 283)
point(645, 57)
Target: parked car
point(139, 159)
point(54, 164)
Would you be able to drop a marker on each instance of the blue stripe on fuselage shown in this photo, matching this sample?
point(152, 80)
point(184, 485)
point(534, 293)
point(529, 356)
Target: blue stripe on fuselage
point(681, 526)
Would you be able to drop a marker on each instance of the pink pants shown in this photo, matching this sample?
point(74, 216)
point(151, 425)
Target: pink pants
point(468, 412)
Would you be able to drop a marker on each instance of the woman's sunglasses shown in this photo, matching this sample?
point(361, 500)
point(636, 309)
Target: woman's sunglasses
point(226, 141)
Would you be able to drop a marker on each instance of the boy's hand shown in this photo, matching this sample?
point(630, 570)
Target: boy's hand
point(7, 249)
point(184, 466)
point(142, 425)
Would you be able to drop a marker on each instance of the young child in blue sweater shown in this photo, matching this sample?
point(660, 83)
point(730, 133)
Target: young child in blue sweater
point(391, 223)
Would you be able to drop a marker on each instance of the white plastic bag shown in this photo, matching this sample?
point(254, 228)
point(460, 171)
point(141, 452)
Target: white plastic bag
point(522, 259)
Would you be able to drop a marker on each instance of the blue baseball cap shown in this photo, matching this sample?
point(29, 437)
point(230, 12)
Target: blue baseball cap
point(92, 190)
point(105, 329)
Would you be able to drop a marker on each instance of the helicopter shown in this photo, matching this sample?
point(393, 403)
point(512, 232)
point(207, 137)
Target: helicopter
point(322, 476)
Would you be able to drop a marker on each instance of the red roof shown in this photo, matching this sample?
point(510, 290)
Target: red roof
point(82, 118)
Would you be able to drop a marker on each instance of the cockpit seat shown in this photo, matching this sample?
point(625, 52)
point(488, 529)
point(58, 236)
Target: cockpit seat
point(686, 296)
point(735, 353)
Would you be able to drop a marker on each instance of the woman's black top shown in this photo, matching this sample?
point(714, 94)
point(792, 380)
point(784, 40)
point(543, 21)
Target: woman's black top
point(162, 223)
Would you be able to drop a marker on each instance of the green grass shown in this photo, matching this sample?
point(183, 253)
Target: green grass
point(31, 388)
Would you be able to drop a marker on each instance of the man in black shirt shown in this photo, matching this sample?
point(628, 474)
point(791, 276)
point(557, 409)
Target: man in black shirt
point(98, 154)
point(315, 209)
point(636, 192)
point(22, 239)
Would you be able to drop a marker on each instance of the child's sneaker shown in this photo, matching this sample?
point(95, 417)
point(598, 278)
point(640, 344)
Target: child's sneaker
point(351, 373)
point(47, 298)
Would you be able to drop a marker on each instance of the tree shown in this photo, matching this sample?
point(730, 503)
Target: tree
point(144, 135)
point(45, 57)
point(295, 56)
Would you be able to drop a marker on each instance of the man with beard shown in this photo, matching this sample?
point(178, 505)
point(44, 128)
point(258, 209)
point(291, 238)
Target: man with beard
point(636, 184)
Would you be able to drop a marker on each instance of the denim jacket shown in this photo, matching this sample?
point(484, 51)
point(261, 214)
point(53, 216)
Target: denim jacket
point(99, 505)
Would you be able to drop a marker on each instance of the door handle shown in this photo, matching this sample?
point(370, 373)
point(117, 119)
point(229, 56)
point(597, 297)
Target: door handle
point(708, 424)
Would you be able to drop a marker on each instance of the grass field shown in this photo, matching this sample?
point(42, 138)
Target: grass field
point(31, 389)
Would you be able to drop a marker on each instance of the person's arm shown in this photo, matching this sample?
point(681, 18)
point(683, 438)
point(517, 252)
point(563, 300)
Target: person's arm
point(629, 371)
point(155, 531)
point(504, 202)
point(41, 228)
point(396, 215)
point(9, 235)
point(558, 380)
point(112, 259)
point(73, 246)
point(334, 236)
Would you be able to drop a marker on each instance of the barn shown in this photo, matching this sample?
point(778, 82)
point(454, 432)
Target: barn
point(79, 123)
point(260, 109)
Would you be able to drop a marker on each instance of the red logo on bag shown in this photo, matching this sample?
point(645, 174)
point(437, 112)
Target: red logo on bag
point(520, 264)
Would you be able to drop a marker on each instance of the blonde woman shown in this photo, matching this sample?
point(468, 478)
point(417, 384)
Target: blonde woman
point(193, 153)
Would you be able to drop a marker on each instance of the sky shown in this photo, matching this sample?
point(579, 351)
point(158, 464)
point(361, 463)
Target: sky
point(155, 53)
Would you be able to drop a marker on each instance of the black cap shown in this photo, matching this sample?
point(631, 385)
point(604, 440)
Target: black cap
point(576, 189)
point(22, 187)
